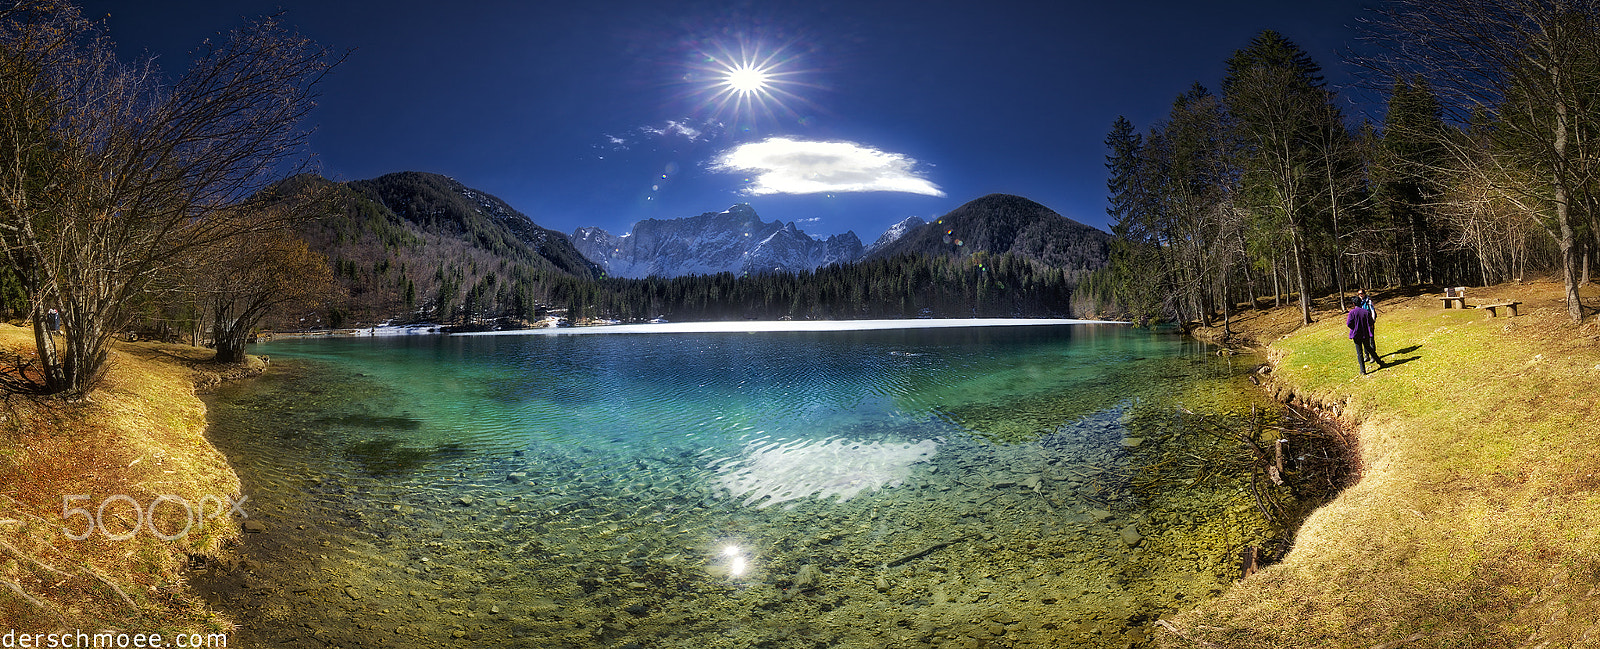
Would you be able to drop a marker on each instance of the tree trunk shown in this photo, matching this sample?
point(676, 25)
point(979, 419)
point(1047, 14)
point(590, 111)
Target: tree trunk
point(1569, 257)
point(1277, 289)
point(1300, 272)
point(1563, 199)
point(230, 347)
point(55, 379)
point(1227, 306)
point(1249, 278)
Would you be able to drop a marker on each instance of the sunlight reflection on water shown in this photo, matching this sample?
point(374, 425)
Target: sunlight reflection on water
point(778, 472)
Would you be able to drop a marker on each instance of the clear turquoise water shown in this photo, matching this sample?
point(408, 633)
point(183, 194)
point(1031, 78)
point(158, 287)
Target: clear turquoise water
point(879, 488)
point(622, 392)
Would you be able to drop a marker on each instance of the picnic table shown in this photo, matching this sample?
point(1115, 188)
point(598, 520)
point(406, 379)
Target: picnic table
point(1458, 295)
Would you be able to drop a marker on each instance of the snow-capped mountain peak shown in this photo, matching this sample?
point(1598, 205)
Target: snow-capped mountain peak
point(735, 240)
point(894, 233)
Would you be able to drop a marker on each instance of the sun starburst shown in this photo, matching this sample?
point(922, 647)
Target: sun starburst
point(747, 82)
point(747, 78)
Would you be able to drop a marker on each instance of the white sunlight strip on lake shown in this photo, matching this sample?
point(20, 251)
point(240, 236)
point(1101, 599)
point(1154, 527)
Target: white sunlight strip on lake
point(763, 326)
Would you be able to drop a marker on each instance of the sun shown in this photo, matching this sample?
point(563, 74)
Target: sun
point(748, 81)
point(747, 78)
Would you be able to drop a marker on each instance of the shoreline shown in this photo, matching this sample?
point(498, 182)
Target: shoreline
point(710, 326)
point(779, 326)
point(1473, 495)
point(138, 441)
point(1348, 547)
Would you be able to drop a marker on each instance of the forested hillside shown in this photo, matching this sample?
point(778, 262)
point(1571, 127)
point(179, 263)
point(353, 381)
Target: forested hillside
point(416, 246)
point(440, 205)
point(998, 224)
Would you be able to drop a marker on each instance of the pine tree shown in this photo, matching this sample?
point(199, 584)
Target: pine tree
point(1135, 265)
point(1411, 163)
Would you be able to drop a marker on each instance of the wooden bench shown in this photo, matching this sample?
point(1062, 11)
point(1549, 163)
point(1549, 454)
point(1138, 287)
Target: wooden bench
point(1491, 307)
point(1457, 295)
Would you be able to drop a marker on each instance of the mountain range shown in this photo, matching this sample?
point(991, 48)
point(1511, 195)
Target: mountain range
point(735, 240)
point(414, 246)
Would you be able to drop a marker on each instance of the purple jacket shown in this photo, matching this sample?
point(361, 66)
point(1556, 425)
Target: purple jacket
point(1359, 321)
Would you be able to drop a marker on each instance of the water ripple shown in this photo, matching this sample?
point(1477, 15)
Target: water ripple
point(777, 472)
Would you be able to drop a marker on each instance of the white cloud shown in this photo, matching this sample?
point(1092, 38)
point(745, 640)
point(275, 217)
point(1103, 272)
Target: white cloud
point(678, 129)
point(783, 166)
point(666, 134)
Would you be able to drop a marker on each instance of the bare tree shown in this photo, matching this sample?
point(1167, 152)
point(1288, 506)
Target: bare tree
point(109, 173)
point(1276, 95)
point(246, 278)
point(1492, 223)
point(1530, 70)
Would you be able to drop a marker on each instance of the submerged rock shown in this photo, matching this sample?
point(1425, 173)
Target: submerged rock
point(1032, 482)
point(1131, 535)
point(809, 576)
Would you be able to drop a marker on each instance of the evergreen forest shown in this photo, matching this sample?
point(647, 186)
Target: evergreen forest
point(1480, 170)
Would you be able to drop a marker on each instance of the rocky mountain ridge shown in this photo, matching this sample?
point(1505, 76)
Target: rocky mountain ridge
point(735, 241)
point(894, 233)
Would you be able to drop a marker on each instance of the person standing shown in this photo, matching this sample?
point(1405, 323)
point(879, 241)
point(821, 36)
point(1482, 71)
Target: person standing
point(53, 321)
point(1366, 303)
point(1372, 312)
point(1359, 321)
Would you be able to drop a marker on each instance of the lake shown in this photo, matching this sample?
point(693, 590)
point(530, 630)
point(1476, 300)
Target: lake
point(977, 486)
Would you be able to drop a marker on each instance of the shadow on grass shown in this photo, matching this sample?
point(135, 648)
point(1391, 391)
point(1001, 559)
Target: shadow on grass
point(1403, 361)
point(1397, 354)
point(1408, 350)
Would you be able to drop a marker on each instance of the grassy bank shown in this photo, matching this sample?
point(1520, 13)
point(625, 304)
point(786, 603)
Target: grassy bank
point(1477, 520)
point(138, 438)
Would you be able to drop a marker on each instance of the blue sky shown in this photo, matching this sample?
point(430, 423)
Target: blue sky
point(603, 113)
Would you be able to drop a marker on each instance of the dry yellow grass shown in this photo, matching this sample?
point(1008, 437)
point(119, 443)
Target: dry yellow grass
point(1477, 521)
point(140, 435)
